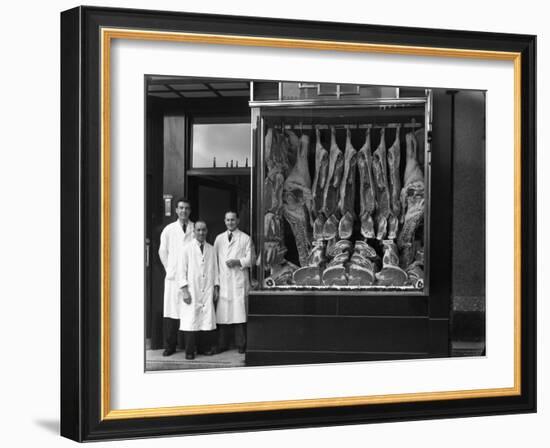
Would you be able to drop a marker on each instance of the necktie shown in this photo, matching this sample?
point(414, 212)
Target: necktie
point(230, 236)
point(184, 226)
point(202, 248)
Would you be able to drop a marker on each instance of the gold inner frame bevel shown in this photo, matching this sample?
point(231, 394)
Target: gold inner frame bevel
point(107, 35)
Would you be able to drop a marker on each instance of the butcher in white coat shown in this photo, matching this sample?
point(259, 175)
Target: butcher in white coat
point(197, 275)
point(235, 256)
point(172, 240)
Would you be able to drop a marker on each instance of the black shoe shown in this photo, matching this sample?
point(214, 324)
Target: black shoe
point(242, 350)
point(168, 352)
point(212, 351)
point(189, 356)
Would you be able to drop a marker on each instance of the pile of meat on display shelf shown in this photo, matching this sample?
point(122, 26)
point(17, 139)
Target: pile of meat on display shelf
point(374, 241)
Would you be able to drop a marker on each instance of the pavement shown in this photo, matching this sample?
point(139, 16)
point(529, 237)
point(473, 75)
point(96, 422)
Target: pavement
point(155, 361)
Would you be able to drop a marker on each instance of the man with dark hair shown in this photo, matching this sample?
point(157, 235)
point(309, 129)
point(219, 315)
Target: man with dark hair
point(235, 256)
point(172, 240)
point(197, 276)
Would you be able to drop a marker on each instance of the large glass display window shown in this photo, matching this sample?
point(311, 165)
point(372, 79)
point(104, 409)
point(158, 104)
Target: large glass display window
point(343, 194)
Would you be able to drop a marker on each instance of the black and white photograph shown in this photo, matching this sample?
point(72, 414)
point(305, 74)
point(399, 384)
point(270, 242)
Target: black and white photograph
point(305, 222)
point(319, 217)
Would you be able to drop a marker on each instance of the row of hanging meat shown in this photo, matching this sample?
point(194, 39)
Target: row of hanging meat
point(338, 242)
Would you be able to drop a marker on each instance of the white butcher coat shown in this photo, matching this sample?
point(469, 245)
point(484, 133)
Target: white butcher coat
point(234, 282)
point(198, 271)
point(172, 240)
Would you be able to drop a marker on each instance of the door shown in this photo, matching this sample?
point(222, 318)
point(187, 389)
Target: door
point(211, 196)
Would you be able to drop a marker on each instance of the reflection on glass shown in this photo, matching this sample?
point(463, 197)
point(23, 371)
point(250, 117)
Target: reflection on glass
point(221, 144)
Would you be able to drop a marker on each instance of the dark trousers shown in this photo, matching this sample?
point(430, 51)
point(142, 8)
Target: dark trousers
point(171, 328)
point(198, 341)
point(224, 331)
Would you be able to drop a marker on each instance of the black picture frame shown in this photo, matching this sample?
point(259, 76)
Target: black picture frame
point(82, 408)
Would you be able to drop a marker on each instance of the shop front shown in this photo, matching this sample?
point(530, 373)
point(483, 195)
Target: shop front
point(350, 194)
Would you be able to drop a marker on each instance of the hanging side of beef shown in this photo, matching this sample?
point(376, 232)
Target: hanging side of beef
point(334, 177)
point(412, 200)
point(394, 160)
point(346, 201)
point(394, 178)
point(321, 172)
point(276, 159)
point(296, 200)
point(366, 188)
point(379, 170)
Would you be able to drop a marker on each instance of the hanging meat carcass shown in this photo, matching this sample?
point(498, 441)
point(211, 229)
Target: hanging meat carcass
point(394, 177)
point(366, 188)
point(275, 151)
point(317, 191)
point(321, 172)
point(380, 173)
point(299, 176)
point(334, 177)
point(346, 201)
point(297, 201)
point(412, 201)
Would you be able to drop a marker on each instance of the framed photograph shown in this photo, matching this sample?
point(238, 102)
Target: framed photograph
point(275, 224)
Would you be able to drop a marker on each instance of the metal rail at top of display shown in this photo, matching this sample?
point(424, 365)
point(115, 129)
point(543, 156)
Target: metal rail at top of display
point(382, 103)
point(306, 127)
